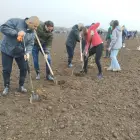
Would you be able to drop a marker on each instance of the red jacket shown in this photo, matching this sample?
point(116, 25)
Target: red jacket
point(96, 39)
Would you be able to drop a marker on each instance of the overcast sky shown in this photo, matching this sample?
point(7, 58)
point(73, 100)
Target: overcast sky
point(69, 12)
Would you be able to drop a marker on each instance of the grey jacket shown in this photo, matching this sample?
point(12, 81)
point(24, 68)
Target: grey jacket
point(10, 45)
point(73, 37)
point(116, 39)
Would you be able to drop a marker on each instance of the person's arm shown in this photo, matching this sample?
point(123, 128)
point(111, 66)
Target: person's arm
point(9, 28)
point(48, 44)
point(29, 42)
point(95, 26)
point(113, 39)
point(76, 32)
point(89, 40)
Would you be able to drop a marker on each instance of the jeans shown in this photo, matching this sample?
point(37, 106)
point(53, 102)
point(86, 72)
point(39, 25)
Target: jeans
point(70, 51)
point(35, 53)
point(114, 61)
point(7, 62)
point(98, 51)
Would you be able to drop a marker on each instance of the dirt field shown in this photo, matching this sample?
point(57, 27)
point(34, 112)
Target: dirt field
point(82, 108)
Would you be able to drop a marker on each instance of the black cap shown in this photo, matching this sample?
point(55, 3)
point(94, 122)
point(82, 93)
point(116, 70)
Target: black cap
point(49, 23)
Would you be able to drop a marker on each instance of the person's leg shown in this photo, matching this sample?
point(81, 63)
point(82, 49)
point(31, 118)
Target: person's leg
point(35, 54)
point(99, 50)
point(48, 76)
point(91, 52)
point(7, 62)
point(114, 62)
point(107, 46)
point(22, 65)
point(83, 45)
point(70, 51)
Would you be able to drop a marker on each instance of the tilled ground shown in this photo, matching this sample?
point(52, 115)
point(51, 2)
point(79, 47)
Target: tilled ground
point(80, 108)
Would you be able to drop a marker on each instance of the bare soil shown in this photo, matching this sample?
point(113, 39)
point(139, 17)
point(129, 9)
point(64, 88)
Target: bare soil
point(80, 107)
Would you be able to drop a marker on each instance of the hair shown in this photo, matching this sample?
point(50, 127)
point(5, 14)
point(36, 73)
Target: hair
point(84, 31)
point(115, 24)
point(49, 23)
point(111, 23)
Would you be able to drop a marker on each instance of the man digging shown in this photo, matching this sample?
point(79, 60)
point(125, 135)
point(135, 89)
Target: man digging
point(45, 35)
point(17, 44)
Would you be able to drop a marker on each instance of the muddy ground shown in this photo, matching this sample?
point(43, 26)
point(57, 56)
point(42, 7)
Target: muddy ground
point(81, 108)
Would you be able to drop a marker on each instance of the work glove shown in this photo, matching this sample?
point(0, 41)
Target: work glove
point(21, 35)
point(27, 57)
point(46, 56)
point(91, 32)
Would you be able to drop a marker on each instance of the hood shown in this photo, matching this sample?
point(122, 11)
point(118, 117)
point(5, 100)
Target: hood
point(118, 28)
point(75, 27)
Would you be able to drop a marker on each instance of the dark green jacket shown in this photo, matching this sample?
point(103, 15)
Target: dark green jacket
point(109, 33)
point(45, 38)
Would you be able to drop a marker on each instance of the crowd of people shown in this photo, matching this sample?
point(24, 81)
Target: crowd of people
point(19, 43)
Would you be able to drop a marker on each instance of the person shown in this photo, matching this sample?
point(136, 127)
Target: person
point(115, 46)
point(124, 35)
point(71, 41)
point(45, 35)
point(108, 39)
point(94, 45)
point(135, 34)
point(17, 44)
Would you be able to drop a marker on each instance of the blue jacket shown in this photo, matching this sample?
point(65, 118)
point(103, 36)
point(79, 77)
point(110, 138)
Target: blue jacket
point(10, 45)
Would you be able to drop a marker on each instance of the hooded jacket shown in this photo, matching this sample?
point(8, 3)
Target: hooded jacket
point(116, 39)
point(73, 37)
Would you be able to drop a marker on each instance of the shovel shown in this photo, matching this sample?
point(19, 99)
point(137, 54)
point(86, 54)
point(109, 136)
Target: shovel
point(34, 96)
point(77, 70)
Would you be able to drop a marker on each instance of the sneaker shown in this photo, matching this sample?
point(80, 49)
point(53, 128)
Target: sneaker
point(70, 65)
point(123, 45)
point(5, 91)
point(38, 77)
point(50, 78)
point(100, 76)
point(109, 69)
point(22, 89)
point(115, 70)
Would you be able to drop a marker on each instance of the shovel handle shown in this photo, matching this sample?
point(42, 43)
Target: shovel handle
point(43, 53)
point(81, 50)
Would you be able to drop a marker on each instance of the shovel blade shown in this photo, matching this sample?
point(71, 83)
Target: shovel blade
point(34, 98)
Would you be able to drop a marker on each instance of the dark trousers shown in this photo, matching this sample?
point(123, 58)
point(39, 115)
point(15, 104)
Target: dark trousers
point(108, 52)
point(83, 45)
point(70, 51)
point(7, 62)
point(98, 51)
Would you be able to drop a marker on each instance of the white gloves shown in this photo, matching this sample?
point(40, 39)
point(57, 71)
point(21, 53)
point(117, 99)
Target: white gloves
point(46, 56)
point(91, 32)
point(27, 57)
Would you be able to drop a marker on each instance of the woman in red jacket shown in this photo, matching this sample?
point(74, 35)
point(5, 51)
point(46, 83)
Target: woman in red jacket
point(94, 45)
